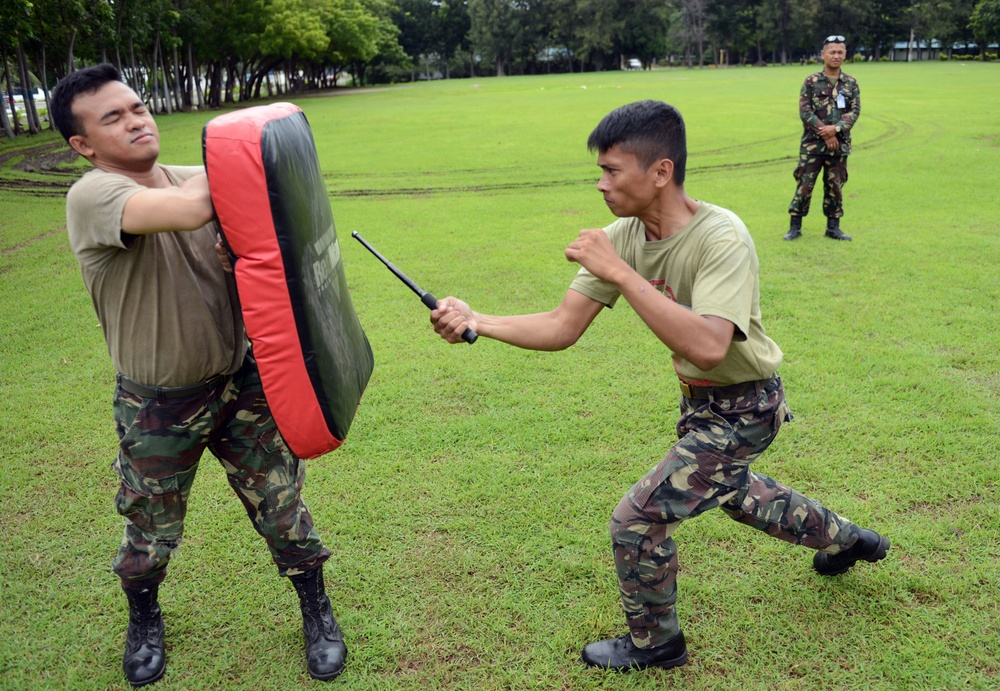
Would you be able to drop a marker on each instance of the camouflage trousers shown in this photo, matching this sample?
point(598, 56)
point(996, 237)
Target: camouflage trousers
point(834, 178)
point(161, 444)
point(709, 467)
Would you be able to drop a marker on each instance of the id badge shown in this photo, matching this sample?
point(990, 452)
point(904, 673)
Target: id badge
point(841, 103)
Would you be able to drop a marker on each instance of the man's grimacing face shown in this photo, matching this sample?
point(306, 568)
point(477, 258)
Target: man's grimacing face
point(116, 128)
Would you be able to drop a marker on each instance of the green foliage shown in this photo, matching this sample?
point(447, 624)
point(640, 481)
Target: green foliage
point(468, 509)
point(985, 21)
point(502, 32)
point(972, 56)
point(295, 27)
point(232, 48)
point(353, 31)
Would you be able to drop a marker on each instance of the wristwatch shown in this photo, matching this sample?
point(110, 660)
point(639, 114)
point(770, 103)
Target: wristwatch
point(839, 127)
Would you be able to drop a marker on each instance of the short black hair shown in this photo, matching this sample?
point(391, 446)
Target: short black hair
point(650, 130)
point(84, 81)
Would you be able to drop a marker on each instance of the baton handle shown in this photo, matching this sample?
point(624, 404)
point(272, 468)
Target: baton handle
point(469, 336)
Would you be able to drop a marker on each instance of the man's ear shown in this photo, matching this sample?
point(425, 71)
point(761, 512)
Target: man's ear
point(81, 146)
point(664, 171)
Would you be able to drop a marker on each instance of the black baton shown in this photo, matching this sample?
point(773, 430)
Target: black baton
point(469, 336)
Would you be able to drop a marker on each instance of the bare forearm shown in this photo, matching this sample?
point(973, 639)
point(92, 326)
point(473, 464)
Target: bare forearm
point(554, 330)
point(542, 331)
point(702, 341)
point(158, 210)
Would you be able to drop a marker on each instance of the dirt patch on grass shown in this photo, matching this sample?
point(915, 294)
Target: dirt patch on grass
point(53, 160)
point(30, 241)
point(36, 188)
point(40, 159)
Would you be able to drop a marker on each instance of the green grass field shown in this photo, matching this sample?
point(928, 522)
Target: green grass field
point(467, 512)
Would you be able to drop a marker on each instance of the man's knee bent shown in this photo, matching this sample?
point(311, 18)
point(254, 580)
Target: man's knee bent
point(631, 528)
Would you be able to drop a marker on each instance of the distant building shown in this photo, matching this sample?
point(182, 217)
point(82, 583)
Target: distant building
point(907, 51)
point(911, 51)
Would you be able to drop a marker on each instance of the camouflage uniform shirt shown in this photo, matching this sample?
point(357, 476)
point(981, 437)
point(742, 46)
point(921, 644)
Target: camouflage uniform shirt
point(818, 105)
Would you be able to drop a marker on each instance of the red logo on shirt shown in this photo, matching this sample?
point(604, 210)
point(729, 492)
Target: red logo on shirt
point(662, 286)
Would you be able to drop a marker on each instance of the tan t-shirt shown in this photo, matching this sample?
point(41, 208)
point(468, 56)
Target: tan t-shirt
point(169, 313)
point(709, 266)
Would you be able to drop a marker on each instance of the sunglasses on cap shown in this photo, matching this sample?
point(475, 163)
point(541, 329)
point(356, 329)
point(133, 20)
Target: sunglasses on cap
point(834, 39)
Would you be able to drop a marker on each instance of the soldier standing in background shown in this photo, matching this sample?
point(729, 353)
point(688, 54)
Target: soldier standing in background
point(829, 105)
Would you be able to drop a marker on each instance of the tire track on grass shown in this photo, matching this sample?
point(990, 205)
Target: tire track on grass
point(894, 130)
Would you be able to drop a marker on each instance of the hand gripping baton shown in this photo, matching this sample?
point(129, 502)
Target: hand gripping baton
point(469, 336)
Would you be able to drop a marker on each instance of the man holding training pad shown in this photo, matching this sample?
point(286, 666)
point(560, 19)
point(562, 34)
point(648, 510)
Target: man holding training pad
point(145, 238)
point(689, 270)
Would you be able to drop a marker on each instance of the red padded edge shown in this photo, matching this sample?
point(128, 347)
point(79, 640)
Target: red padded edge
point(233, 159)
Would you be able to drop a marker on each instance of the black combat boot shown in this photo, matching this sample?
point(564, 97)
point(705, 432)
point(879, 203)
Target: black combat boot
point(833, 230)
point(325, 649)
point(621, 654)
point(869, 546)
point(145, 658)
point(795, 230)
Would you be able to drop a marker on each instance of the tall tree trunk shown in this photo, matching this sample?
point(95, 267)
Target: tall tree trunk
point(209, 83)
point(166, 86)
point(29, 101)
point(10, 92)
point(230, 80)
point(176, 91)
point(104, 46)
point(43, 77)
point(45, 85)
point(70, 61)
point(191, 78)
point(134, 72)
point(197, 87)
point(5, 122)
point(215, 85)
point(154, 78)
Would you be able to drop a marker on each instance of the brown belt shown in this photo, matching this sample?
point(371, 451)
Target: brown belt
point(747, 388)
point(162, 392)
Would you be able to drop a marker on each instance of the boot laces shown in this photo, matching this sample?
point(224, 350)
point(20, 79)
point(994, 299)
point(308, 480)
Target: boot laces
point(142, 631)
point(318, 618)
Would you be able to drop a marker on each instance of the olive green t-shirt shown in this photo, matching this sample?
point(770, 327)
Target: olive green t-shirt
point(169, 312)
point(709, 266)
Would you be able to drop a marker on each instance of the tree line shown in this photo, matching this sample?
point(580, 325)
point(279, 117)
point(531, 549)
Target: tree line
point(187, 54)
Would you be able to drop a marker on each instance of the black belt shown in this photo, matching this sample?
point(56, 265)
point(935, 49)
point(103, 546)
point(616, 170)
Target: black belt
point(747, 388)
point(161, 392)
